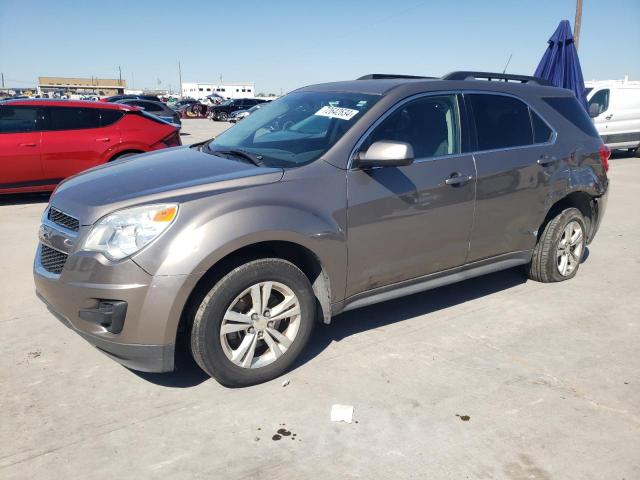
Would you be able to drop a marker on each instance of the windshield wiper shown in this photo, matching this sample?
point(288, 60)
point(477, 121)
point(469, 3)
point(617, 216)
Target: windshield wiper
point(253, 158)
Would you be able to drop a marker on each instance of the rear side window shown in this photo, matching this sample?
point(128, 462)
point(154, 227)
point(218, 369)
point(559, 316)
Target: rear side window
point(69, 118)
point(109, 117)
point(570, 109)
point(18, 119)
point(541, 131)
point(501, 122)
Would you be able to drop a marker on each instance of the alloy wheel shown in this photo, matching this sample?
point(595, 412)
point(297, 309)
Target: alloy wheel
point(570, 248)
point(260, 324)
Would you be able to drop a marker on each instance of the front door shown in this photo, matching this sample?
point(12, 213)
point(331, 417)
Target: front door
point(20, 148)
point(405, 222)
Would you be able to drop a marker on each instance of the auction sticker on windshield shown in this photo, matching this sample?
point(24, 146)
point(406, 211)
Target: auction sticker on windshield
point(337, 112)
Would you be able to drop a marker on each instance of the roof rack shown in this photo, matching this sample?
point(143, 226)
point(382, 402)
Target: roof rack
point(387, 76)
point(491, 76)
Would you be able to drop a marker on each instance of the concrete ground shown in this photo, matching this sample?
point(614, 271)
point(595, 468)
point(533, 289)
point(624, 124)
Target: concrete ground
point(492, 378)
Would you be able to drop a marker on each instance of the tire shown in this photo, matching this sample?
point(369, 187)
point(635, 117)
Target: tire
point(223, 116)
point(213, 352)
point(635, 152)
point(548, 255)
point(124, 155)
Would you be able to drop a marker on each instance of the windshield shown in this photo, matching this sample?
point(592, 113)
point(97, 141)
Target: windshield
point(295, 129)
point(227, 102)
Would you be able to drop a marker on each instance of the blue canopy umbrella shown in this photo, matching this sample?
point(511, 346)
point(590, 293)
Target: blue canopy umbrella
point(560, 64)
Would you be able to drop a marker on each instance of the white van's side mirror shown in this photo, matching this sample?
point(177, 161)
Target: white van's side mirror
point(594, 110)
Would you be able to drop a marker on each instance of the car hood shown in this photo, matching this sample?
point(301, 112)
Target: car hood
point(173, 174)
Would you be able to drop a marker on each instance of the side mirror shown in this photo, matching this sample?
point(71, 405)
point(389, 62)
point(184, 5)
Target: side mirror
point(594, 110)
point(386, 154)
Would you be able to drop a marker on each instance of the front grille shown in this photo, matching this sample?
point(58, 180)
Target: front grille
point(61, 218)
point(52, 260)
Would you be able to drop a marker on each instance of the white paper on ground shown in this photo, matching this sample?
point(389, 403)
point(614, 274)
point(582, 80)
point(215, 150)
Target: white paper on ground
point(342, 413)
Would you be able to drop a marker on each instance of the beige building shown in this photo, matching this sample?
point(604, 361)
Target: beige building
point(93, 85)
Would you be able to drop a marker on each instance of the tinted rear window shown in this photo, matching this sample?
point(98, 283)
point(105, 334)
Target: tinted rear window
point(69, 118)
point(501, 122)
point(570, 109)
point(541, 131)
point(18, 119)
point(109, 117)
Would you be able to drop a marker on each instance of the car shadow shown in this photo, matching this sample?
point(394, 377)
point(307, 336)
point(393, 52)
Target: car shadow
point(401, 309)
point(24, 198)
point(188, 374)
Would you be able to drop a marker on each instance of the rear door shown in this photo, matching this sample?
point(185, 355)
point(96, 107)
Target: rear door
point(74, 141)
point(20, 148)
point(405, 222)
point(514, 174)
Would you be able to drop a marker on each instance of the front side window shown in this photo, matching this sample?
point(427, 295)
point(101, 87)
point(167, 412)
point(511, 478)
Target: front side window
point(601, 99)
point(18, 119)
point(295, 129)
point(501, 121)
point(429, 124)
point(69, 118)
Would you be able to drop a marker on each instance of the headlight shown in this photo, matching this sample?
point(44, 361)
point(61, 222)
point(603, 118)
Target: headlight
point(125, 232)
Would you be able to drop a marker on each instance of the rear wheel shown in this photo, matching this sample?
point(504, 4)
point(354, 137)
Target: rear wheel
point(253, 323)
point(559, 250)
point(635, 152)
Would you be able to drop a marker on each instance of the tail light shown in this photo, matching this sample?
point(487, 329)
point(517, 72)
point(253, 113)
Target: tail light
point(172, 140)
point(605, 153)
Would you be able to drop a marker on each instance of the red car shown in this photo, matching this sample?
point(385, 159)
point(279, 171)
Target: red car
point(44, 141)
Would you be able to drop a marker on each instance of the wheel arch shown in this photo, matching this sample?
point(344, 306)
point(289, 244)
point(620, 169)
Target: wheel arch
point(119, 154)
point(302, 257)
point(579, 199)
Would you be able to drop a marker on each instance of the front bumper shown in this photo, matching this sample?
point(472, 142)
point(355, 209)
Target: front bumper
point(146, 341)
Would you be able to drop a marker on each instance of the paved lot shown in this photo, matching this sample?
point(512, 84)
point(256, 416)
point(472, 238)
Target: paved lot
point(492, 378)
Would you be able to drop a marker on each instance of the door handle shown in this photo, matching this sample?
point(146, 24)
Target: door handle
point(546, 160)
point(455, 179)
point(608, 117)
point(103, 139)
point(28, 144)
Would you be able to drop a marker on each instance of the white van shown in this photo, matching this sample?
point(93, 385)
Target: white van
point(615, 109)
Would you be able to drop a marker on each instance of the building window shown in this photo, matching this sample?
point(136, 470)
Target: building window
point(208, 89)
point(237, 89)
point(248, 90)
point(244, 89)
point(200, 89)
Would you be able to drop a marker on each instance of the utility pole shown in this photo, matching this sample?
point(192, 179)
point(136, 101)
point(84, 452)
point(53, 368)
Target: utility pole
point(2, 79)
point(180, 76)
point(119, 76)
point(577, 22)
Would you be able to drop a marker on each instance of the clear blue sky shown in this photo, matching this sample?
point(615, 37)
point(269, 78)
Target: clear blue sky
point(284, 44)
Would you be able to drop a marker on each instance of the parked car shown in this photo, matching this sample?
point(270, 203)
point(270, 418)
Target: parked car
point(221, 112)
point(387, 187)
point(181, 104)
point(242, 114)
point(115, 98)
point(44, 141)
point(615, 109)
point(158, 109)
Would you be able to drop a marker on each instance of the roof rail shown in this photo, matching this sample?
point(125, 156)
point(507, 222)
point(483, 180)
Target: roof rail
point(386, 76)
point(491, 76)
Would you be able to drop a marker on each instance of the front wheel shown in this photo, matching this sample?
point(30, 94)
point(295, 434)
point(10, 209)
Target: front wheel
point(223, 116)
point(253, 323)
point(559, 250)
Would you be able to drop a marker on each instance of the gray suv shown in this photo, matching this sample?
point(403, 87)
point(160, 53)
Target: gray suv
point(333, 197)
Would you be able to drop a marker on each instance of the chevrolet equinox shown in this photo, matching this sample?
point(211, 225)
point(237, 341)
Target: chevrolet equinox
point(333, 197)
